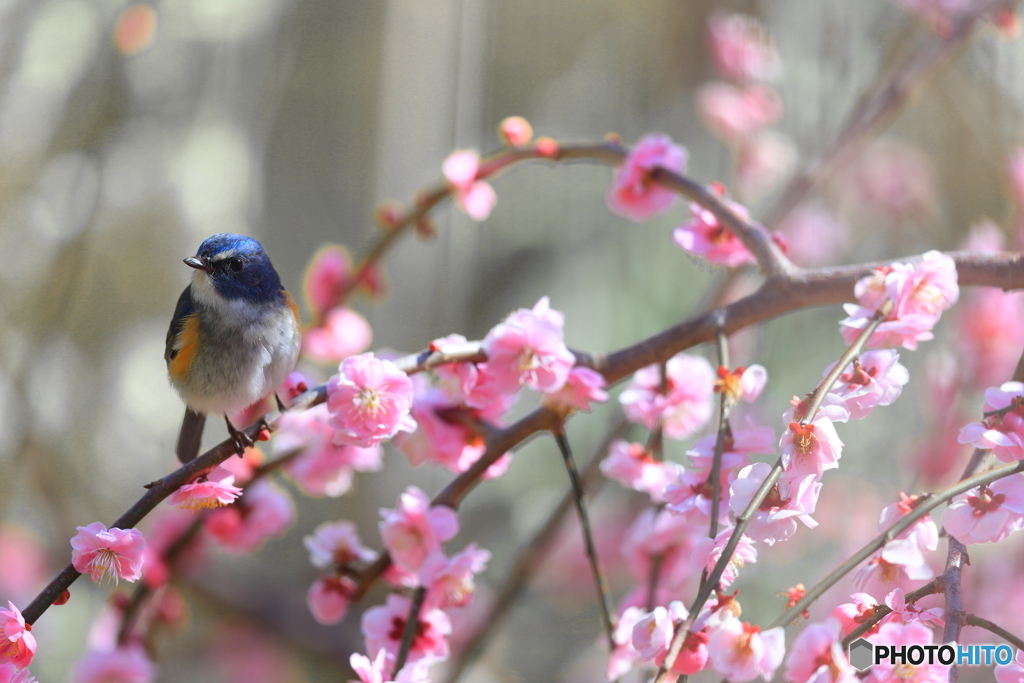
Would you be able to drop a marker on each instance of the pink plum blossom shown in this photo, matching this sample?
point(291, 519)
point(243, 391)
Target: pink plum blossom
point(320, 466)
point(474, 196)
point(337, 544)
point(263, 512)
point(739, 443)
point(377, 670)
point(817, 656)
point(906, 613)
point(899, 564)
point(790, 500)
point(582, 387)
point(763, 161)
point(126, 664)
point(652, 637)
point(703, 235)
point(894, 180)
point(652, 633)
point(745, 383)
point(708, 552)
point(624, 656)
point(816, 236)
point(742, 49)
point(449, 581)
point(876, 378)
point(919, 292)
point(416, 529)
point(17, 644)
point(10, 674)
point(692, 495)
point(515, 131)
point(634, 194)
point(742, 652)
point(328, 598)
point(894, 634)
point(210, 491)
point(851, 615)
point(168, 529)
point(325, 279)
point(441, 441)
point(991, 332)
point(472, 384)
point(733, 113)
point(369, 401)
point(1003, 430)
point(344, 333)
point(528, 349)
point(987, 513)
point(384, 625)
point(1012, 672)
point(632, 465)
point(683, 408)
point(666, 536)
point(810, 448)
point(108, 553)
point(922, 532)
point(25, 563)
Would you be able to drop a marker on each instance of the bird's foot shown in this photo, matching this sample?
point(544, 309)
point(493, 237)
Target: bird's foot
point(241, 439)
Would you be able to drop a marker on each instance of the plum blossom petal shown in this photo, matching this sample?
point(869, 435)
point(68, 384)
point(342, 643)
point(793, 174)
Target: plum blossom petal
point(384, 625)
point(683, 408)
point(634, 194)
point(987, 513)
point(817, 656)
point(369, 401)
point(17, 644)
point(876, 378)
point(632, 465)
point(741, 652)
point(108, 553)
point(416, 529)
point(126, 664)
point(344, 333)
point(528, 349)
point(213, 490)
point(337, 543)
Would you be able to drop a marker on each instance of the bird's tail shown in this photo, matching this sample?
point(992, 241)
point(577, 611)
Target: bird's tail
point(190, 436)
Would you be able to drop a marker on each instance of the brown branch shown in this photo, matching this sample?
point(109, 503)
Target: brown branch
point(412, 623)
point(992, 627)
point(530, 557)
point(881, 611)
point(878, 107)
point(776, 297)
point(604, 595)
point(743, 520)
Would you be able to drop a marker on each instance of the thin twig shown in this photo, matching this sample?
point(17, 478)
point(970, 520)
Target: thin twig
point(929, 502)
point(531, 555)
point(992, 627)
point(604, 594)
point(881, 611)
point(412, 622)
point(683, 629)
point(878, 107)
point(722, 344)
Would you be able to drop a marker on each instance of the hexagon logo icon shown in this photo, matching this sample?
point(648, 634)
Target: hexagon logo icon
point(861, 653)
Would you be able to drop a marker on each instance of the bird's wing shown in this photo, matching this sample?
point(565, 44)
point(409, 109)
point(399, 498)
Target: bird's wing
point(184, 309)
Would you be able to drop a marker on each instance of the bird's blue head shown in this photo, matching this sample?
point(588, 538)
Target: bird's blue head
point(238, 268)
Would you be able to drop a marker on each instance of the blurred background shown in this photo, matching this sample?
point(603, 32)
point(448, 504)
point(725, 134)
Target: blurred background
point(130, 133)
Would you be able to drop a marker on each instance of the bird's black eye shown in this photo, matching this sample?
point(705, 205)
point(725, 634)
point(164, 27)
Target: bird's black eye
point(236, 264)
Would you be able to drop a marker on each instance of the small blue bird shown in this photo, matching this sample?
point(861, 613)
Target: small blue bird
point(234, 337)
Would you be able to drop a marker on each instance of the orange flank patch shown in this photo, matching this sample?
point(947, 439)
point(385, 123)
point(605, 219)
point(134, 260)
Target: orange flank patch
point(292, 305)
point(186, 344)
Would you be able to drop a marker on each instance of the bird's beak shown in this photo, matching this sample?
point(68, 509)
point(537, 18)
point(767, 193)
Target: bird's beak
point(199, 264)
